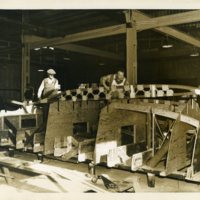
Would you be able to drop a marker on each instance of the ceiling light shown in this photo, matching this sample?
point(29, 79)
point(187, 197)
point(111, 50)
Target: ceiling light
point(40, 70)
point(67, 58)
point(51, 48)
point(101, 64)
point(36, 49)
point(166, 44)
point(195, 54)
point(44, 47)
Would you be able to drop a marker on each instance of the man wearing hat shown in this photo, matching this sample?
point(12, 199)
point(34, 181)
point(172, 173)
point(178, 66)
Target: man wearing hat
point(49, 86)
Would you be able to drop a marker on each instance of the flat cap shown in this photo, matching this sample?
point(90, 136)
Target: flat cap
point(51, 71)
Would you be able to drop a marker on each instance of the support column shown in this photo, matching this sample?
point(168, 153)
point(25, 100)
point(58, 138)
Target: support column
point(131, 47)
point(25, 72)
point(25, 76)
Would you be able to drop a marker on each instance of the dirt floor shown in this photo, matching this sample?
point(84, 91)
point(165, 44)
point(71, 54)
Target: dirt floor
point(34, 183)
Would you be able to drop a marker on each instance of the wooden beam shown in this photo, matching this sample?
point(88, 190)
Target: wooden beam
point(90, 51)
point(168, 20)
point(171, 31)
point(79, 49)
point(131, 47)
point(120, 29)
point(25, 69)
point(86, 35)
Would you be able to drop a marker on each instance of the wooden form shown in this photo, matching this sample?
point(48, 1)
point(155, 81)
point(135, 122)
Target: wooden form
point(64, 118)
point(171, 150)
point(18, 128)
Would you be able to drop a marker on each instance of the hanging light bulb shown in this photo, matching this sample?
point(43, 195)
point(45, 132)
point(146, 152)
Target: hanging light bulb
point(194, 53)
point(166, 44)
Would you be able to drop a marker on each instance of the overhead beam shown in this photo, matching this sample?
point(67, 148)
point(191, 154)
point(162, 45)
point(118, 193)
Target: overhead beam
point(169, 20)
point(90, 51)
point(121, 29)
point(86, 35)
point(80, 49)
point(170, 31)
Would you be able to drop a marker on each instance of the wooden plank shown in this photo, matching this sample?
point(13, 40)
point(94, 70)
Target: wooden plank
point(90, 51)
point(173, 115)
point(159, 154)
point(177, 153)
point(85, 35)
point(131, 48)
point(132, 107)
point(7, 175)
point(71, 180)
point(165, 113)
point(168, 20)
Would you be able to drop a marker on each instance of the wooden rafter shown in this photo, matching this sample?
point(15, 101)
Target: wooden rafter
point(168, 20)
point(91, 51)
point(81, 49)
point(171, 31)
point(145, 21)
point(86, 35)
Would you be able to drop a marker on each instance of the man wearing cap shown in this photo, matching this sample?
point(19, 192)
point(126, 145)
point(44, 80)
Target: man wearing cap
point(49, 86)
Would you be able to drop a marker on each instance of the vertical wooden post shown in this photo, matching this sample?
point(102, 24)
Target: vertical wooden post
point(25, 72)
point(131, 47)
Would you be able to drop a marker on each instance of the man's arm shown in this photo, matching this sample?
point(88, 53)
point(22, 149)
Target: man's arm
point(126, 82)
point(104, 81)
point(56, 85)
point(41, 88)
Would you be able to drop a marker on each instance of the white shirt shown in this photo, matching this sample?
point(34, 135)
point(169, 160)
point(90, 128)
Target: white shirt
point(50, 81)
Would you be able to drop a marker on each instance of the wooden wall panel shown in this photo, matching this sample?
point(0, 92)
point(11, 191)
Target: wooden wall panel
point(10, 82)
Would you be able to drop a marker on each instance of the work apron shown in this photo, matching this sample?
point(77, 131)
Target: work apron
point(49, 88)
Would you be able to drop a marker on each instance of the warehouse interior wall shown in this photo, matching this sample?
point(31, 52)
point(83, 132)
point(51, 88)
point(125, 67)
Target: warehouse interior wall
point(183, 71)
point(10, 82)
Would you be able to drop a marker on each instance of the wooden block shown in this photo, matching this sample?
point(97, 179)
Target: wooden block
point(78, 91)
point(68, 92)
point(60, 151)
point(37, 147)
point(96, 97)
point(84, 98)
point(7, 175)
point(90, 90)
point(165, 87)
point(160, 93)
point(169, 92)
point(101, 89)
point(147, 94)
point(74, 98)
point(72, 153)
point(140, 87)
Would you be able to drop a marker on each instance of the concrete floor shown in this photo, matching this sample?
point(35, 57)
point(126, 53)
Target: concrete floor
point(41, 184)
